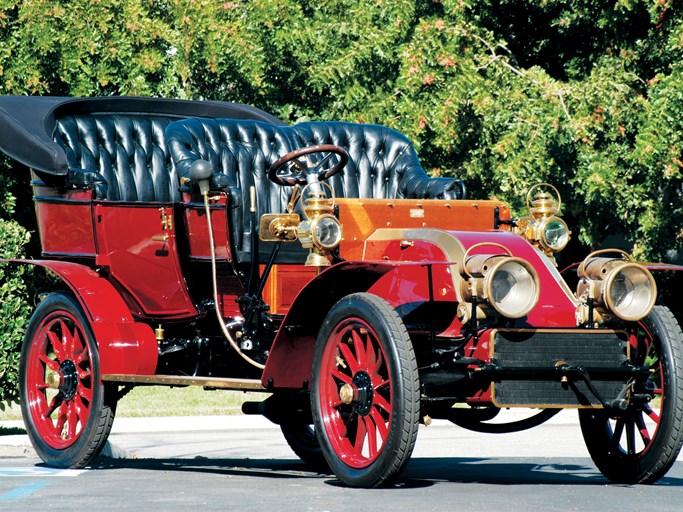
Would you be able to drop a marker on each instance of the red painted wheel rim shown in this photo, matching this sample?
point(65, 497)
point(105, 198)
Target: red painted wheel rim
point(59, 380)
point(358, 431)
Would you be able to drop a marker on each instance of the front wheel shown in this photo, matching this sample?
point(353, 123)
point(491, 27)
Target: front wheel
point(639, 445)
point(365, 391)
point(67, 411)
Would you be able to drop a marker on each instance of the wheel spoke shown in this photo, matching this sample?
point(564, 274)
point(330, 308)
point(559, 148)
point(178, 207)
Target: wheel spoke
point(85, 393)
point(79, 355)
point(371, 429)
point(348, 357)
point(322, 162)
point(50, 363)
point(57, 344)
point(361, 356)
point(82, 357)
point(653, 415)
point(630, 428)
point(371, 357)
point(72, 420)
point(361, 431)
point(378, 364)
point(332, 389)
point(618, 432)
point(379, 421)
point(346, 379)
point(61, 418)
point(56, 401)
point(69, 341)
point(382, 403)
point(82, 410)
point(642, 429)
point(383, 384)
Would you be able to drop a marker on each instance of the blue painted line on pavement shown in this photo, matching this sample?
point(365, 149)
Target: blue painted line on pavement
point(25, 490)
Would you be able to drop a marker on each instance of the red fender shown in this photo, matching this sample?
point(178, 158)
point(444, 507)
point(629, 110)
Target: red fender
point(125, 346)
point(291, 356)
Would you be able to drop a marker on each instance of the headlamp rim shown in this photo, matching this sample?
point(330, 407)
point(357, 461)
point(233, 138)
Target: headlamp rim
point(608, 282)
point(488, 279)
point(314, 237)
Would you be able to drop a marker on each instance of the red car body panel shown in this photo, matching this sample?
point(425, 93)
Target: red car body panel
point(125, 346)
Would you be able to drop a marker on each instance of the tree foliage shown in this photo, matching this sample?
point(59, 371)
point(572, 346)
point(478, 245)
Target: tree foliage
point(584, 94)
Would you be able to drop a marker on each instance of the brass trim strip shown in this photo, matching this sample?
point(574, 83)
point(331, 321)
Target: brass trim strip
point(562, 330)
point(181, 380)
point(501, 405)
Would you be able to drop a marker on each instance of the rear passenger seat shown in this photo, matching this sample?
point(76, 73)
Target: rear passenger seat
point(128, 151)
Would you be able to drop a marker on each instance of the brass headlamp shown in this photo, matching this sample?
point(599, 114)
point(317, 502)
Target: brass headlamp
point(613, 286)
point(543, 228)
point(508, 284)
point(320, 231)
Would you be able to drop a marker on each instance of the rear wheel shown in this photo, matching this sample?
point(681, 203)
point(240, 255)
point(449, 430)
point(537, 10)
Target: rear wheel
point(365, 391)
point(303, 441)
point(67, 411)
point(640, 444)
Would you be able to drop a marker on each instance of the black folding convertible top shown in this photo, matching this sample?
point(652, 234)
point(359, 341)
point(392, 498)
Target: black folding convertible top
point(27, 122)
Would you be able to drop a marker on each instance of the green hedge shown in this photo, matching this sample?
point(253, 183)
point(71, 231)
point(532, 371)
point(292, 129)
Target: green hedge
point(14, 305)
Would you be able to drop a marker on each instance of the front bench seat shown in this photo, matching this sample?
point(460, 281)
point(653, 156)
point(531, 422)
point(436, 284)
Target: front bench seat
point(382, 164)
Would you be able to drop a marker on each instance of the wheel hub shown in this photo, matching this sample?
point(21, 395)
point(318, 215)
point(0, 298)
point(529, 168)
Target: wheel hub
point(359, 393)
point(363, 393)
point(68, 379)
point(53, 380)
point(346, 393)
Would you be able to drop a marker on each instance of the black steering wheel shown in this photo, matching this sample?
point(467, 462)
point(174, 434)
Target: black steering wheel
point(303, 170)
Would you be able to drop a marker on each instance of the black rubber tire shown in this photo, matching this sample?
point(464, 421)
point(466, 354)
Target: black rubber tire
point(82, 438)
point(644, 462)
point(303, 441)
point(393, 359)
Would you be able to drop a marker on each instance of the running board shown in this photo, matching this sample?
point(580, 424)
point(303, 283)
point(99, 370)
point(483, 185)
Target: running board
point(181, 380)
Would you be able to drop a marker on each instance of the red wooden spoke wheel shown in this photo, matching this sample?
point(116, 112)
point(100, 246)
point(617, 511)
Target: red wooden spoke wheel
point(640, 444)
point(67, 415)
point(365, 397)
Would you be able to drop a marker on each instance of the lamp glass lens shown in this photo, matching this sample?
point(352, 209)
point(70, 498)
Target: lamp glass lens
point(513, 290)
point(327, 233)
point(556, 234)
point(631, 293)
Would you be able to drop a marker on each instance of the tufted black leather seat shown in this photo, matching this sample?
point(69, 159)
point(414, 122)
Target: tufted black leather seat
point(128, 151)
point(382, 163)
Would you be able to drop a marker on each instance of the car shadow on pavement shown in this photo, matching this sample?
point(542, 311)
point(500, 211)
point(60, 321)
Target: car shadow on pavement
point(420, 471)
point(265, 468)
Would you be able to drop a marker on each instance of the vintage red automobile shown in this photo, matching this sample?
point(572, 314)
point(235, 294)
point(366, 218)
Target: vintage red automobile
point(210, 244)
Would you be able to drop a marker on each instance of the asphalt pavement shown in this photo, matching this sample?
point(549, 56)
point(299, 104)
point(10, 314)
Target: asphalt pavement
point(181, 437)
point(243, 463)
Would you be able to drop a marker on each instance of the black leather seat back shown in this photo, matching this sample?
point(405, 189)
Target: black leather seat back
point(128, 150)
point(242, 150)
point(379, 157)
